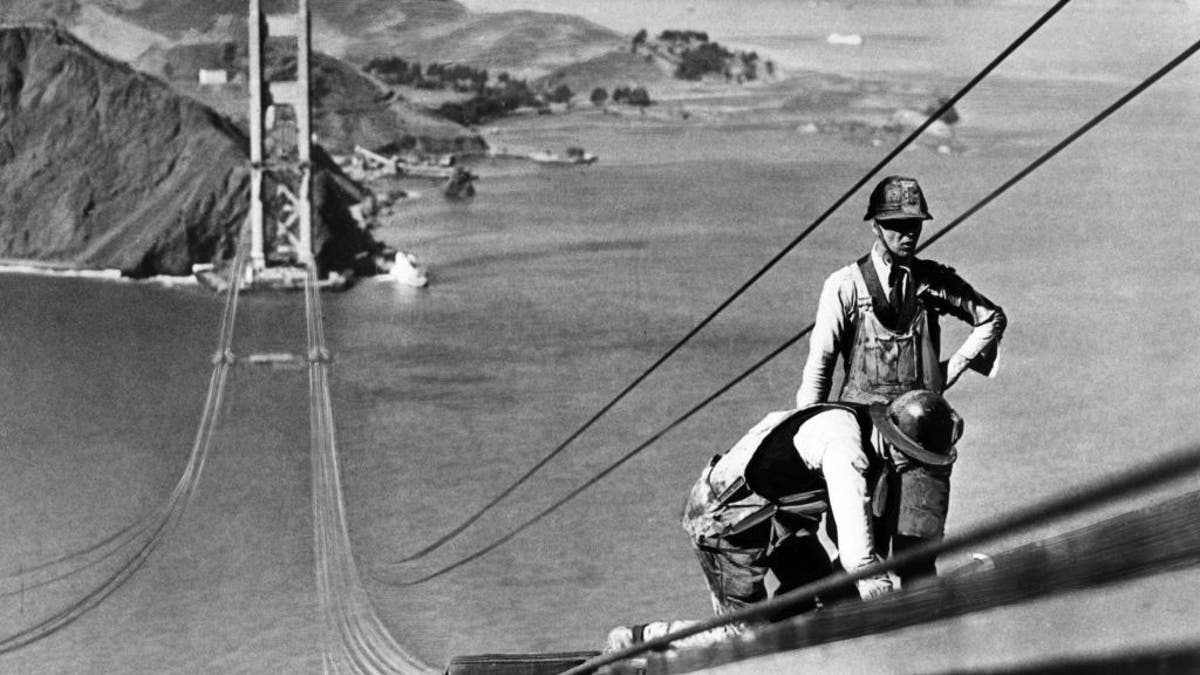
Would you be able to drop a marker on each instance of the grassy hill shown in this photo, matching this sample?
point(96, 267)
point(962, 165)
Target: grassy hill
point(179, 17)
point(528, 43)
point(610, 70)
point(173, 39)
point(349, 107)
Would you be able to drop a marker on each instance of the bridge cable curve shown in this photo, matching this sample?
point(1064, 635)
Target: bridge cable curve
point(1016, 178)
point(934, 116)
point(140, 539)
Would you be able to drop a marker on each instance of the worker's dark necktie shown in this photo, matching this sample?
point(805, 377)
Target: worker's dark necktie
point(898, 281)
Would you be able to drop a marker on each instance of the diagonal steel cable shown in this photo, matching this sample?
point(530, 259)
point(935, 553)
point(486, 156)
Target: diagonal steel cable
point(1057, 148)
point(155, 526)
point(934, 116)
point(50, 571)
point(1174, 466)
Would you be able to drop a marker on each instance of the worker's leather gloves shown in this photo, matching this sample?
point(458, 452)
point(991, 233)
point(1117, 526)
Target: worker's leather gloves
point(873, 587)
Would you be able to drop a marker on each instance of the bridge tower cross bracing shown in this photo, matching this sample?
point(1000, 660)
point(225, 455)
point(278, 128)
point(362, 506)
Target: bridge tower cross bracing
point(267, 101)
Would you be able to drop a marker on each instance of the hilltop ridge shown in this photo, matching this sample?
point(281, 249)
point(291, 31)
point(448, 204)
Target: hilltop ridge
point(526, 43)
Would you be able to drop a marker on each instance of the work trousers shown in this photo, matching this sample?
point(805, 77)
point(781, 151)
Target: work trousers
point(736, 567)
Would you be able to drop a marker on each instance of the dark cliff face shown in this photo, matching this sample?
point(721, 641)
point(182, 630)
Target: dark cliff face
point(103, 167)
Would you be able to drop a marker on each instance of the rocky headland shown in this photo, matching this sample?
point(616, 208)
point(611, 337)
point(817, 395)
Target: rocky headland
point(104, 167)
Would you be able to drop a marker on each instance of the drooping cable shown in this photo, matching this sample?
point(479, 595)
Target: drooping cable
point(354, 640)
point(1080, 131)
point(135, 543)
point(916, 133)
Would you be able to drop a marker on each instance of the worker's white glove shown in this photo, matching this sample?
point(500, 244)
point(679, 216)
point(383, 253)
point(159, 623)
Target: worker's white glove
point(873, 587)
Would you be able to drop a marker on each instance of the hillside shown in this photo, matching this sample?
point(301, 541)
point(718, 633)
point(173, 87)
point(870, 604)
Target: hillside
point(173, 39)
point(349, 108)
point(105, 167)
point(610, 71)
point(527, 43)
point(178, 19)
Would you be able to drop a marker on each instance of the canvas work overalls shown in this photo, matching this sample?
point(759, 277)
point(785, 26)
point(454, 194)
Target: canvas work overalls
point(895, 350)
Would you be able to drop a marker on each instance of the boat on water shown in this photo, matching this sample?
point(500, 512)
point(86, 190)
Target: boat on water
point(402, 267)
point(574, 155)
point(848, 39)
point(422, 170)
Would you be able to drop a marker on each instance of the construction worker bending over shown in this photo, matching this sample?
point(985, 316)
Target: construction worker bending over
point(880, 317)
point(756, 509)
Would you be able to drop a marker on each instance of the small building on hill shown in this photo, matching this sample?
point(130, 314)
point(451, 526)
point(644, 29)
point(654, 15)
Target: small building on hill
point(213, 76)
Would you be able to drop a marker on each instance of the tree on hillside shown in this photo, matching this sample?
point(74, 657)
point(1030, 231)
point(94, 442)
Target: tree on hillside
point(749, 65)
point(561, 94)
point(684, 36)
point(709, 57)
point(635, 96)
point(639, 39)
point(492, 102)
point(949, 117)
point(599, 96)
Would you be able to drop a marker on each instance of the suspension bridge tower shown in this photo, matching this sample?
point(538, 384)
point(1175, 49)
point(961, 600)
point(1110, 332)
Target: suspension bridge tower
point(281, 242)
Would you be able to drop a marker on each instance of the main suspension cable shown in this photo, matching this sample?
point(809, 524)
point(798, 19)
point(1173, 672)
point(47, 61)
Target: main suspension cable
point(1172, 467)
point(916, 133)
point(154, 527)
point(354, 639)
point(1087, 126)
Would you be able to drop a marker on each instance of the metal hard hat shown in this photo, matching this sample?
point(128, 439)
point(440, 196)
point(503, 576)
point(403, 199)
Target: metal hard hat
point(897, 197)
point(920, 424)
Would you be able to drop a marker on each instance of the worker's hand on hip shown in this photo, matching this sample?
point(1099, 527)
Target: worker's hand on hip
point(955, 367)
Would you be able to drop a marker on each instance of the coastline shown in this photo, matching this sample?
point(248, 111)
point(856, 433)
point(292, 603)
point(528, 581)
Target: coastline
point(553, 289)
point(11, 266)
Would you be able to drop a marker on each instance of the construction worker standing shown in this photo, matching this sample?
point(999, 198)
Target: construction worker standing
point(880, 317)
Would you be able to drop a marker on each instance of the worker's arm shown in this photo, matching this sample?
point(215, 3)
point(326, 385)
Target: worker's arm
point(825, 341)
point(831, 442)
point(944, 291)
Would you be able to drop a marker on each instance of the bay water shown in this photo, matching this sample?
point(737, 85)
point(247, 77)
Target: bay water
point(549, 292)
